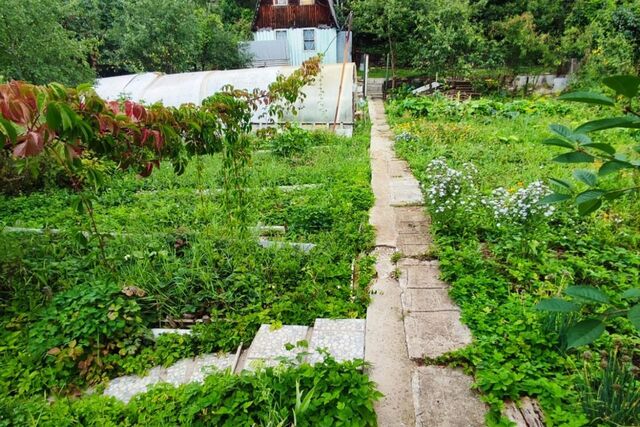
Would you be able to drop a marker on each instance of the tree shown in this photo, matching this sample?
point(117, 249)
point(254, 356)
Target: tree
point(520, 42)
point(35, 47)
point(388, 20)
point(446, 38)
point(156, 35)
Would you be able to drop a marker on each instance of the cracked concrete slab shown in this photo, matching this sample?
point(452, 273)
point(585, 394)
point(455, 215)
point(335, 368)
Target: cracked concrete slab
point(443, 398)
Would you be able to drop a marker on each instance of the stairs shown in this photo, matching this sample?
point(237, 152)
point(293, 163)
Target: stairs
point(460, 88)
point(375, 88)
point(343, 339)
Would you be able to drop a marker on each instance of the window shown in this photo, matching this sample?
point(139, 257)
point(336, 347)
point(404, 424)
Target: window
point(307, 2)
point(309, 39)
point(280, 2)
point(281, 34)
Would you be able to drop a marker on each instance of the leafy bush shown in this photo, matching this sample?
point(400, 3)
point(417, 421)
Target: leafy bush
point(327, 394)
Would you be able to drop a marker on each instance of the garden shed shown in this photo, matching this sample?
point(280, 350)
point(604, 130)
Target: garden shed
point(318, 108)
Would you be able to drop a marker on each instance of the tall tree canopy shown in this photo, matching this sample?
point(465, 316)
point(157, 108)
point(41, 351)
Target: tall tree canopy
point(74, 41)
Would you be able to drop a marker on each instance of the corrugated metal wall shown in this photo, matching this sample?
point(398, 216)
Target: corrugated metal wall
point(326, 43)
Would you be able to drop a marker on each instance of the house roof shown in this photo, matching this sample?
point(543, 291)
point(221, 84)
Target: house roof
point(331, 4)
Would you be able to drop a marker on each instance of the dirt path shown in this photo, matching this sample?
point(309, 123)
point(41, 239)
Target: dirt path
point(413, 317)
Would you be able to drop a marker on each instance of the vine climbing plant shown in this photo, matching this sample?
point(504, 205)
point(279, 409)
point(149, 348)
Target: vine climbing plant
point(76, 129)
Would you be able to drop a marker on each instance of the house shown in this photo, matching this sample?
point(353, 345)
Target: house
point(296, 30)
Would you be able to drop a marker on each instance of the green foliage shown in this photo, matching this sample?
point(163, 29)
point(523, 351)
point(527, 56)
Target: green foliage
point(35, 46)
point(71, 41)
point(442, 107)
point(328, 393)
point(609, 389)
point(500, 273)
point(172, 243)
point(293, 141)
point(587, 330)
point(585, 150)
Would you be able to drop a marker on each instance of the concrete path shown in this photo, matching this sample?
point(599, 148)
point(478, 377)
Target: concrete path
point(412, 318)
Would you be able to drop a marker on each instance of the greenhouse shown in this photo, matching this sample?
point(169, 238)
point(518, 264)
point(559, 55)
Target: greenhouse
point(318, 109)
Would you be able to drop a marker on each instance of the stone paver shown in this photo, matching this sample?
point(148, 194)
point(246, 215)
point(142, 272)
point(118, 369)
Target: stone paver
point(434, 333)
point(445, 399)
point(182, 372)
point(269, 345)
point(344, 339)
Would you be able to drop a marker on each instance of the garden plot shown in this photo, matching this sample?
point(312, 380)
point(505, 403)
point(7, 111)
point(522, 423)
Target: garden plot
point(484, 171)
point(72, 318)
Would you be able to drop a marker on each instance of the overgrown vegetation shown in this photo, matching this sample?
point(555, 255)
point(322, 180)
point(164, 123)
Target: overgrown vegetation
point(171, 258)
point(327, 394)
point(503, 252)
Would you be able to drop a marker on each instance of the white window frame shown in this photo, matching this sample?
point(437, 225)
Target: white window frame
point(281, 32)
point(304, 39)
point(281, 2)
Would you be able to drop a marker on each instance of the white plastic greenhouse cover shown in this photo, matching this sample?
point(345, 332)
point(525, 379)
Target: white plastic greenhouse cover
point(318, 107)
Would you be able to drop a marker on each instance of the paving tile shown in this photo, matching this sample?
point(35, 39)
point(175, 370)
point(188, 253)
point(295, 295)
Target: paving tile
point(414, 300)
point(357, 325)
point(405, 192)
point(125, 388)
point(399, 168)
point(341, 344)
point(180, 372)
point(209, 363)
point(443, 397)
point(270, 344)
point(413, 227)
point(433, 334)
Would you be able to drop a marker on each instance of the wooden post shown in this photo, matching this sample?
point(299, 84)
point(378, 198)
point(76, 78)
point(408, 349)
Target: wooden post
point(344, 64)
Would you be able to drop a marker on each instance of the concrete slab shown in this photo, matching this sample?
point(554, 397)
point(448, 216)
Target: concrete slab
point(423, 275)
point(386, 348)
point(182, 372)
point(432, 334)
point(443, 398)
point(399, 168)
point(270, 344)
point(426, 300)
point(209, 363)
point(340, 346)
point(411, 213)
point(405, 192)
point(411, 249)
point(125, 388)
